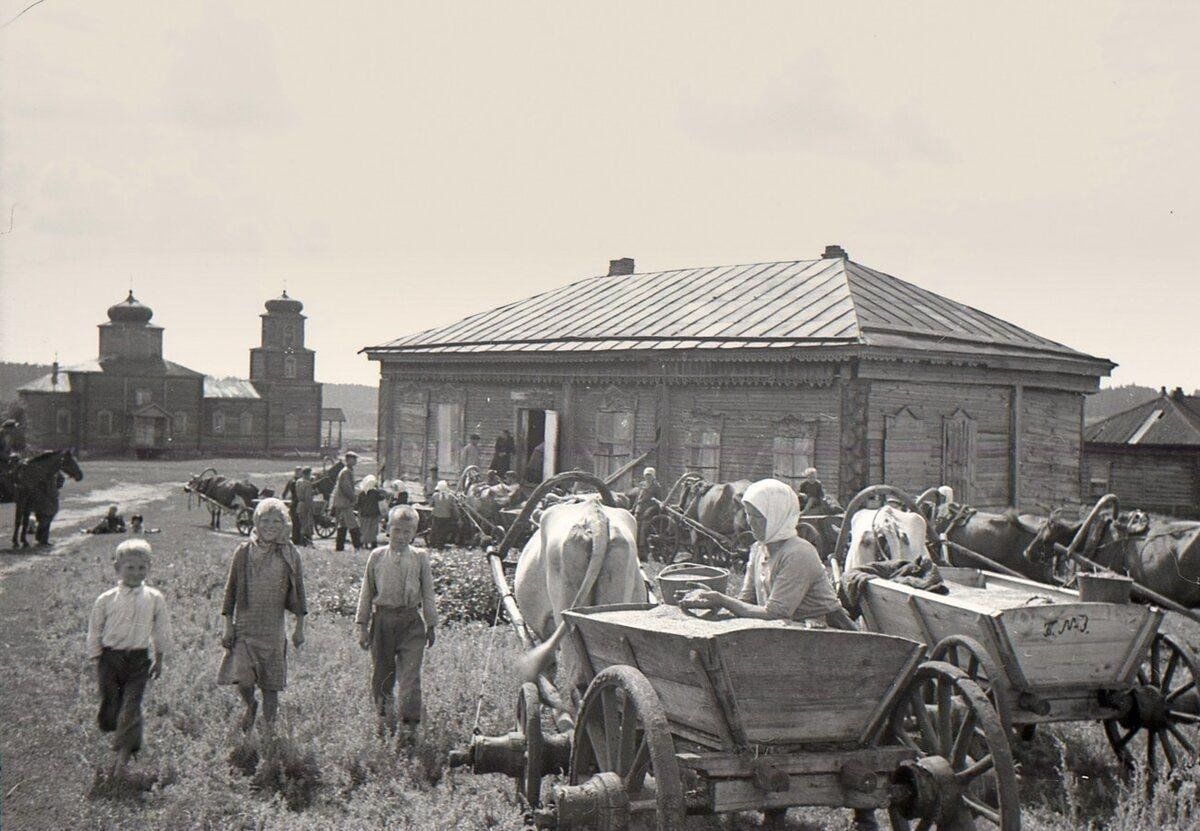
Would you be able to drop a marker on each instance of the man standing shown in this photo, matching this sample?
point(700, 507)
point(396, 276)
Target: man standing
point(649, 495)
point(470, 453)
point(533, 467)
point(503, 452)
point(290, 497)
point(343, 505)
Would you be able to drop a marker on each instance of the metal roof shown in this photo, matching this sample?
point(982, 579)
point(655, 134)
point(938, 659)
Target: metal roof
point(47, 383)
point(1172, 419)
point(228, 388)
point(806, 303)
point(332, 414)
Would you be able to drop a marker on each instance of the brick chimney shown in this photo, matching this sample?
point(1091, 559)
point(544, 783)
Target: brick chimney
point(621, 267)
point(833, 252)
point(1177, 393)
point(54, 373)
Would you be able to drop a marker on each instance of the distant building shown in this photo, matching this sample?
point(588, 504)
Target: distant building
point(130, 399)
point(748, 371)
point(1148, 455)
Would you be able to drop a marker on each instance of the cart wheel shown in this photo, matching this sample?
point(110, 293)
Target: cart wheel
point(622, 728)
point(245, 521)
point(969, 655)
point(963, 775)
point(662, 538)
point(1161, 721)
point(529, 725)
point(324, 527)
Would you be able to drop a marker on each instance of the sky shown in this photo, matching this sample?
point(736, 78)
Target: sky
point(400, 165)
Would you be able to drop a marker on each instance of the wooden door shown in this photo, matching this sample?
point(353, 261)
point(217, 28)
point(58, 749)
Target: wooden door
point(958, 455)
point(550, 462)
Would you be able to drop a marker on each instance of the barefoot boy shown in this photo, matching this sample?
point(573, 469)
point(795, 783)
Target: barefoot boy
point(128, 621)
point(265, 579)
point(397, 618)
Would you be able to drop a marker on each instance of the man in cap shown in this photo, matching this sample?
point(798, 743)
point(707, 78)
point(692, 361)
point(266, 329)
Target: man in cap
point(290, 497)
point(344, 492)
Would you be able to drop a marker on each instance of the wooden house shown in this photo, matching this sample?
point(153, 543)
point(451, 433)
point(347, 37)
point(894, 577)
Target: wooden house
point(744, 372)
point(1148, 455)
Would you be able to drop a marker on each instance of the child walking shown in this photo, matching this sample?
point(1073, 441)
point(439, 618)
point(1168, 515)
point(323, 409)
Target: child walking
point(265, 579)
point(397, 618)
point(128, 623)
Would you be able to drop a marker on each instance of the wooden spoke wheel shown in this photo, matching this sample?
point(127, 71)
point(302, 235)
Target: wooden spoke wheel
point(324, 525)
point(245, 521)
point(1161, 722)
point(969, 655)
point(622, 730)
point(662, 538)
point(963, 775)
point(529, 725)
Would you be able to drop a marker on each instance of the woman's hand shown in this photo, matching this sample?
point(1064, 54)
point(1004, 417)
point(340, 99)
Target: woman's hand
point(298, 633)
point(429, 635)
point(364, 637)
point(703, 599)
point(230, 634)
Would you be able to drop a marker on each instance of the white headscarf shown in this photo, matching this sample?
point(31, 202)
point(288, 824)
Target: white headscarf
point(779, 504)
point(368, 482)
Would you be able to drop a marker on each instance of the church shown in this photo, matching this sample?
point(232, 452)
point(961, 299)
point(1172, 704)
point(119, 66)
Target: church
point(132, 400)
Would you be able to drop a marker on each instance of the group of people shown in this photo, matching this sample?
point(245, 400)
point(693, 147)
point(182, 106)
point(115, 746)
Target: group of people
point(129, 630)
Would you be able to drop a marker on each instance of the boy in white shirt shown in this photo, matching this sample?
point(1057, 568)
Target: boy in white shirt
point(128, 623)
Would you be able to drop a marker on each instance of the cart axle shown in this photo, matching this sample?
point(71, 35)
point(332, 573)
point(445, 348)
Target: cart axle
point(506, 754)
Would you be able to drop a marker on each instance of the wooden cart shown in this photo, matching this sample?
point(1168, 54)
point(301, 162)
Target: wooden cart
point(707, 717)
point(1042, 655)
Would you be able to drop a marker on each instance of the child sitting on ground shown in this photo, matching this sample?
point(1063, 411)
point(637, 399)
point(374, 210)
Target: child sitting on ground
point(112, 523)
point(127, 621)
point(397, 618)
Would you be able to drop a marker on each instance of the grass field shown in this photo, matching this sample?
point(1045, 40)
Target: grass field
point(328, 770)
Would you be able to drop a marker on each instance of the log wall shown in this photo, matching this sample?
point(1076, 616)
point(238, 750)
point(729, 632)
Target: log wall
point(1161, 480)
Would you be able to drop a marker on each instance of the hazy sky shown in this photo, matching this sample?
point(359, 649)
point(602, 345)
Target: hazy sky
point(403, 164)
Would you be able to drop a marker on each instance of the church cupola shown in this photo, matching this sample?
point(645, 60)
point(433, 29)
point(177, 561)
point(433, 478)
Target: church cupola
point(130, 311)
point(282, 355)
point(128, 334)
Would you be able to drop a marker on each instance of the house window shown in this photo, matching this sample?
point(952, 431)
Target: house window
point(218, 421)
point(1099, 477)
point(791, 456)
point(62, 421)
point(291, 425)
point(289, 366)
point(104, 423)
point(247, 424)
point(142, 397)
point(179, 423)
point(614, 442)
point(289, 335)
point(704, 450)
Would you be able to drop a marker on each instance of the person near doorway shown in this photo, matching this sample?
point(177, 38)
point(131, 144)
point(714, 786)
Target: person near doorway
point(442, 522)
point(469, 456)
point(343, 505)
point(431, 482)
point(289, 496)
point(533, 467)
point(503, 452)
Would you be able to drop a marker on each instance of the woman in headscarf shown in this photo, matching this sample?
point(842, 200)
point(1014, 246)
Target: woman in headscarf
point(784, 578)
point(367, 505)
point(265, 579)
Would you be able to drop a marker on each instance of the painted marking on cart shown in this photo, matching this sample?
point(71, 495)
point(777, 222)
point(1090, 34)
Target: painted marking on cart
point(1060, 626)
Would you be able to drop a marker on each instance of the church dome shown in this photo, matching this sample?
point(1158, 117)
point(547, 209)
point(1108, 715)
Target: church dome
point(130, 311)
point(283, 303)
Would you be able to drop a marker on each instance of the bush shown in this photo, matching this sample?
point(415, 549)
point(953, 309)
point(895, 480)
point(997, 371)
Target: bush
point(464, 586)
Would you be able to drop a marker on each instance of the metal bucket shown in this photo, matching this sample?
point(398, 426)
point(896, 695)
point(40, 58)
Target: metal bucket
point(676, 580)
point(1104, 588)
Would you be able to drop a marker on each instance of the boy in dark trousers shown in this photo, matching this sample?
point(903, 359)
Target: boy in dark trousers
point(129, 622)
point(397, 619)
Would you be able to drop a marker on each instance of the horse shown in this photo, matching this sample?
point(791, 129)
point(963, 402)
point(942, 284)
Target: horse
point(37, 480)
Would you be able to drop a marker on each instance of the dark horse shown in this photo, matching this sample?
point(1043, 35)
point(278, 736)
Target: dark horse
point(36, 483)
